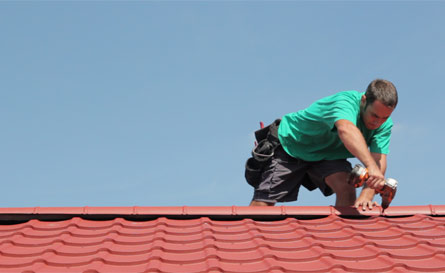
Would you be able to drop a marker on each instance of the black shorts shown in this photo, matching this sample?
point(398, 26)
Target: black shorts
point(283, 176)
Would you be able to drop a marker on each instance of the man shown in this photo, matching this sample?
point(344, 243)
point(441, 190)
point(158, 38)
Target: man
point(313, 144)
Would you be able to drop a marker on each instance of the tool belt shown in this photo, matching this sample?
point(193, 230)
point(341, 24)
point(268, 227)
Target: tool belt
point(268, 141)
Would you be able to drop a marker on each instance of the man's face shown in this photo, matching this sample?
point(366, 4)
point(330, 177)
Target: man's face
point(375, 114)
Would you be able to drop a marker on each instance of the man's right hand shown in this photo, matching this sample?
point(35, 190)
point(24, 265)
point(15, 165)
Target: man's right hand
point(376, 179)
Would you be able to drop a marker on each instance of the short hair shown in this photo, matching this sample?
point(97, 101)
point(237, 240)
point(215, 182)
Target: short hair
point(383, 91)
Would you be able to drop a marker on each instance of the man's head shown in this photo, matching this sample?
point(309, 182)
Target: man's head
point(378, 103)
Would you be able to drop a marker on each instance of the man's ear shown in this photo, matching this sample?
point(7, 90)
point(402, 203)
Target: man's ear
point(363, 102)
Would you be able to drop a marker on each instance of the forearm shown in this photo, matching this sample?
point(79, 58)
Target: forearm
point(353, 140)
point(380, 160)
point(367, 193)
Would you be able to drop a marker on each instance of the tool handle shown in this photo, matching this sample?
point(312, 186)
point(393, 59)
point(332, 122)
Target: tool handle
point(358, 176)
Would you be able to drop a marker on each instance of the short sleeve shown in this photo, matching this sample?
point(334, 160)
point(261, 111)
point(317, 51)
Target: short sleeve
point(345, 105)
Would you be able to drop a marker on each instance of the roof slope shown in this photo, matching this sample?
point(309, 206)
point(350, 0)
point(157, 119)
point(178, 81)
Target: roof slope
point(246, 239)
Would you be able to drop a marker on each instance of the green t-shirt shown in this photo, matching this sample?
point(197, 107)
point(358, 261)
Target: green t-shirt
point(311, 135)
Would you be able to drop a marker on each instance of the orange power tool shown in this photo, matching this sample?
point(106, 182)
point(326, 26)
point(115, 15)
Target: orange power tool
point(359, 175)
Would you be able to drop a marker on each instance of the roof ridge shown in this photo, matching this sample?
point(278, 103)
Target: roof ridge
point(434, 210)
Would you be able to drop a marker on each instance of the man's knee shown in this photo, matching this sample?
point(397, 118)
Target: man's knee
point(345, 192)
point(339, 183)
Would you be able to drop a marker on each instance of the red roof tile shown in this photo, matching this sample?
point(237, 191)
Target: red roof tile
point(222, 239)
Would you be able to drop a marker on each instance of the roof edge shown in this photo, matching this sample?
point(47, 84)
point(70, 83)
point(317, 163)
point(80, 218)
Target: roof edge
point(27, 213)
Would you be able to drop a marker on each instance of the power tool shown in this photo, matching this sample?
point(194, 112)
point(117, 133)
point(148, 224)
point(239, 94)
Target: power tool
point(359, 175)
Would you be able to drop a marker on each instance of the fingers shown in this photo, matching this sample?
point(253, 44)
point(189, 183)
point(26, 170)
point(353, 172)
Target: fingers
point(357, 204)
point(376, 179)
point(366, 205)
point(375, 183)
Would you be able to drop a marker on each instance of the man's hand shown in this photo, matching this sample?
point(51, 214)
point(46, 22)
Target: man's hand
point(365, 204)
point(376, 179)
point(365, 199)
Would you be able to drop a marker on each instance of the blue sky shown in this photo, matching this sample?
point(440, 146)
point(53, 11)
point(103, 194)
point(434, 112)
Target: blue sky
point(155, 103)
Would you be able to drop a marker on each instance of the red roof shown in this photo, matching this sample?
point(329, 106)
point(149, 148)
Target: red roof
point(222, 239)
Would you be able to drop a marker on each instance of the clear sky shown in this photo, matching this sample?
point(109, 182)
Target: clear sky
point(155, 103)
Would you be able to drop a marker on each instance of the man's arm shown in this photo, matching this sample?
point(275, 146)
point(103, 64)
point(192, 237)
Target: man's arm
point(367, 194)
point(353, 140)
point(380, 159)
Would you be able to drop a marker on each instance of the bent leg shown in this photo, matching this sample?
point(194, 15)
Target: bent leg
point(280, 180)
point(345, 193)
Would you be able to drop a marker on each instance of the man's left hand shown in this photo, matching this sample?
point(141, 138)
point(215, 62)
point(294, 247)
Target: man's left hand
point(365, 203)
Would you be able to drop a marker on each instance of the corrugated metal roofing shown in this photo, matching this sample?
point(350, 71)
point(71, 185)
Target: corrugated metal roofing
point(222, 239)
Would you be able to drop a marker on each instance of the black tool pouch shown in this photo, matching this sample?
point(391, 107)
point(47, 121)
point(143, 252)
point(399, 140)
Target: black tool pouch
point(268, 141)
